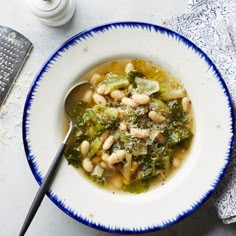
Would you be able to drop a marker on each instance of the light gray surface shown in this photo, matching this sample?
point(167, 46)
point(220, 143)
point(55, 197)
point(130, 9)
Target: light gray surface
point(17, 185)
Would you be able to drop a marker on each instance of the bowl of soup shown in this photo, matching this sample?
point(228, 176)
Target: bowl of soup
point(133, 126)
point(149, 144)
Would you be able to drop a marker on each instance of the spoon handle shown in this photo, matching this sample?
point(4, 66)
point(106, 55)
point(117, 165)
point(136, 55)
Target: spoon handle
point(44, 186)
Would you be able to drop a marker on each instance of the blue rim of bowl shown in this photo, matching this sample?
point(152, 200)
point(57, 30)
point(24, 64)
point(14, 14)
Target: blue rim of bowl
point(83, 35)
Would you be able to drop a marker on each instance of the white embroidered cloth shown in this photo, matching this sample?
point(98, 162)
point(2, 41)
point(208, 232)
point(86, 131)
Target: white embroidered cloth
point(211, 24)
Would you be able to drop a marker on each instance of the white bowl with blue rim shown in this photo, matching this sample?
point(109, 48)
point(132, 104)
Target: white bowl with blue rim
point(211, 149)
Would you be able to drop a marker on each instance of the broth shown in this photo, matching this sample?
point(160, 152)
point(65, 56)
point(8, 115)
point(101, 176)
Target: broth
point(134, 126)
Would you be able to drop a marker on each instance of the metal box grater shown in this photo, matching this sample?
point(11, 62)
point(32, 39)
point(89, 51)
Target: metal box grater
point(14, 50)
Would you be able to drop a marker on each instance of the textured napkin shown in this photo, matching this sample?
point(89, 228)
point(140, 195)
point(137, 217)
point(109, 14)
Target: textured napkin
point(211, 25)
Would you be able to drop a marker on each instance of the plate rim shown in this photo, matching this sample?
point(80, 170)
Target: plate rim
point(83, 35)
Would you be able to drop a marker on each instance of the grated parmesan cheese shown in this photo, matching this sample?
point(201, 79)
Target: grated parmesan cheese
point(11, 110)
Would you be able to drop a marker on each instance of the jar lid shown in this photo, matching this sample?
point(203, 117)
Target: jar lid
point(48, 9)
point(44, 5)
point(53, 12)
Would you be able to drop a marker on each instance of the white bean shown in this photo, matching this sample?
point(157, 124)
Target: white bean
point(105, 135)
point(129, 102)
point(106, 165)
point(87, 165)
point(96, 78)
point(108, 142)
point(141, 98)
point(116, 157)
point(99, 99)
point(129, 67)
point(123, 126)
point(100, 90)
point(186, 104)
point(105, 157)
point(84, 148)
point(88, 95)
point(139, 133)
point(156, 117)
point(117, 95)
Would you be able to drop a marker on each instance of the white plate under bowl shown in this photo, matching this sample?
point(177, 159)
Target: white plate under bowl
point(211, 147)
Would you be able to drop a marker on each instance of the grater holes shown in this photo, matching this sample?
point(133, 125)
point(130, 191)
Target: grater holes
point(12, 35)
point(12, 53)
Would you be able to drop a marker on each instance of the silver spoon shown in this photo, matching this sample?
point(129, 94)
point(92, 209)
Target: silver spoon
point(74, 95)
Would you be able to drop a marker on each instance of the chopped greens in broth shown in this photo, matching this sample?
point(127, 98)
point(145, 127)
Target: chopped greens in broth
point(133, 126)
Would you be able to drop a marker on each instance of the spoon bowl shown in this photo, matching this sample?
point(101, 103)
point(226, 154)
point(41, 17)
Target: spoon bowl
point(76, 94)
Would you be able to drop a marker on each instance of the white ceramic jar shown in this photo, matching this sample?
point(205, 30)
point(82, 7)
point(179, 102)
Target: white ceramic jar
point(53, 12)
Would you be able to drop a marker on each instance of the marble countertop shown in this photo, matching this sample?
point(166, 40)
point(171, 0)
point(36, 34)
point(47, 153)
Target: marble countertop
point(17, 184)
